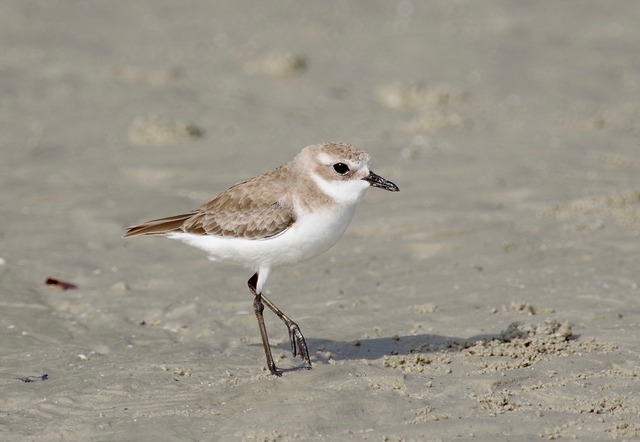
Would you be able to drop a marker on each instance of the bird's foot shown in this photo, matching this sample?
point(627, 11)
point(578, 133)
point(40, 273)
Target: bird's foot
point(298, 344)
point(279, 371)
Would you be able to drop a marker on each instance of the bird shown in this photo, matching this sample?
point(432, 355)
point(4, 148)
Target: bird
point(289, 214)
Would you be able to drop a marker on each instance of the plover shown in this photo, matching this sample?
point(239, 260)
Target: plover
point(294, 212)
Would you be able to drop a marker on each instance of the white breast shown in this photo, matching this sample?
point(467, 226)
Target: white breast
point(311, 234)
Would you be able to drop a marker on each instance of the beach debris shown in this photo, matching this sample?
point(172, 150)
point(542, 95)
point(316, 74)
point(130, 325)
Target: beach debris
point(43, 377)
point(277, 64)
point(62, 285)
point(154, 131)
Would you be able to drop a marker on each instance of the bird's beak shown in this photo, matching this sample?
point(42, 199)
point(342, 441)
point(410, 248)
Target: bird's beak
point(378, 181)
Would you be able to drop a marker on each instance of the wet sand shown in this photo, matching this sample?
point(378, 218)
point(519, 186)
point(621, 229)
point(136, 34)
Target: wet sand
point(495, 297)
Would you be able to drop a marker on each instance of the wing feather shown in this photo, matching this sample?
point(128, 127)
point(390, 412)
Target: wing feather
point(258, 208)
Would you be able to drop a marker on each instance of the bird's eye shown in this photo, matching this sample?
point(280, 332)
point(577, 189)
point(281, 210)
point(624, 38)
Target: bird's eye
point(341, 168)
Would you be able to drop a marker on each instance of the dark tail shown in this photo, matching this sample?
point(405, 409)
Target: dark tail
point(160, 226)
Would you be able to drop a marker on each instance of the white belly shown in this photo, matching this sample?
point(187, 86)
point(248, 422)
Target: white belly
point(311, 235)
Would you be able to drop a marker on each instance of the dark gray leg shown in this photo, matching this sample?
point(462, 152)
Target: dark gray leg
point(298, 344)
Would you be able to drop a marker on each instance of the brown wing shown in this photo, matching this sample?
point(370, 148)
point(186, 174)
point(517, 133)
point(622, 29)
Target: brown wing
point(160, 226)
point(258, 208)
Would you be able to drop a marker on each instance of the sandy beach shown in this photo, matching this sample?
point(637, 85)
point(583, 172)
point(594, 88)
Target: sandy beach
point(495, 297)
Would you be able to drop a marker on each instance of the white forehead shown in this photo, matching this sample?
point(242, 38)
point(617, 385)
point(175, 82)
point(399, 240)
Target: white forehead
point(332, 153)
point(327, 159)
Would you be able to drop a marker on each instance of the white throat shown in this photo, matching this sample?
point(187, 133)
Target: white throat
point(345, 193)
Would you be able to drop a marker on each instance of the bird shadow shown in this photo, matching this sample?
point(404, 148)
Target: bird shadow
point(378, 347)
point(375, 348)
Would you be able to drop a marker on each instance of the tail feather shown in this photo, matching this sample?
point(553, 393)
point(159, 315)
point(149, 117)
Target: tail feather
point(159, 226)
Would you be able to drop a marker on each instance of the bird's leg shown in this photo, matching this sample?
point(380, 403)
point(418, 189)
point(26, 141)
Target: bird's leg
point(258, 308)
point(295, 335)
point(298, 344)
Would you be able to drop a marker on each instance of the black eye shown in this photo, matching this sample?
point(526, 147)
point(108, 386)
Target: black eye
point(341, 168)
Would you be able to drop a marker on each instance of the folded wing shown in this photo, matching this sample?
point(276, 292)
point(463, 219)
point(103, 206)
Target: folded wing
point(255, 209)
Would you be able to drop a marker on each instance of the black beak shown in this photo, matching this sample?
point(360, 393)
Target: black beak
point(378, 181)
